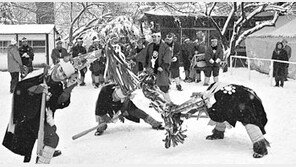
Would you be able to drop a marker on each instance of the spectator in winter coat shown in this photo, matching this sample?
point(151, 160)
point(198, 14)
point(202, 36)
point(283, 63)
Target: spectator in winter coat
point(279, 68)
point(97, 67)
point(78, 50)
point(15, 64)
point(158, 60)
point(23, 127)
point(174, 68)
point(112, 101)
point(139, 55)
point(58, 52)
point(187, 50)
point(213, 56)
point(27, 55)
point(288, 49)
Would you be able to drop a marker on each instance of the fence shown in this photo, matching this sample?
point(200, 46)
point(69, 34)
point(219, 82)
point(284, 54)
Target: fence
point(249, 63)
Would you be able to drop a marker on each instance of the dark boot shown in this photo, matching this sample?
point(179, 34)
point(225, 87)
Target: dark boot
point(101, 130)
point(179, 87)
point(155, 124)
point(27, 158)
point(260, 149)
point(216, 135)
point(57, 153)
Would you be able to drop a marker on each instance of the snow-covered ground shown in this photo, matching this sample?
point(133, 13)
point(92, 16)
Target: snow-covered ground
point(137, 144)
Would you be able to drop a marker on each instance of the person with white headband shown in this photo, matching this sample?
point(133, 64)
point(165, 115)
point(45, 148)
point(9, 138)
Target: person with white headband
point(23, 127)
point(158, 59)
point(229, 103)
point(113, 101)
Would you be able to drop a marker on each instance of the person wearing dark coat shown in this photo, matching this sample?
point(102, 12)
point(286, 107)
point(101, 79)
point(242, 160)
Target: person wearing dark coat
point(27, 55)
point(279, 68)
point(175, 64)
point(213, 57)
point(78, 50)
point(112, 100)
point(288, 49)
point(97, 67)
point(58, 52)
point(158, 59)
point(229, 103)
point(22, 130)
point(187, 50)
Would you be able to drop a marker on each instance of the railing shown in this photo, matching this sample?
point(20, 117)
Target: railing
point(249, 64)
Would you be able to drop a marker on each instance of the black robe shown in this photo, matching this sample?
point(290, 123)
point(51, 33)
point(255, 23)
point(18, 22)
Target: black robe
point(106, 105)
point(242, 104)
point(26, 113)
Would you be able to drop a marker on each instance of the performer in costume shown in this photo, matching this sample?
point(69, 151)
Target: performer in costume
point(111, 100)
point(237, 103)
point(23, 127)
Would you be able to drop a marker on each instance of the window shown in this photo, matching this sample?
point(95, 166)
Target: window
point(37, 45)
point(3, 46)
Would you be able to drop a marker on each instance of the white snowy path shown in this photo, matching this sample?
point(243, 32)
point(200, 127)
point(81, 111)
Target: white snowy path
point(132, 143)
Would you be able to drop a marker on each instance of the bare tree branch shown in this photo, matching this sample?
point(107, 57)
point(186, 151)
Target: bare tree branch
point(257, 28)
point(233, 10)
point(211, 9)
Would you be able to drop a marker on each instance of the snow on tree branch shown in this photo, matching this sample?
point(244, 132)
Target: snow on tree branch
point(257, 28)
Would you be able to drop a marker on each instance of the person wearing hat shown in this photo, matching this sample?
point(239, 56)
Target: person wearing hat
point(213, 56)
point(14, 63)
point(158, 59)
point(288, 49)
point(78, 50)
point(58, 53)
point(112, 100)
point(23, 126)
point(97, 67)
point(174, 68)
point(27, 55)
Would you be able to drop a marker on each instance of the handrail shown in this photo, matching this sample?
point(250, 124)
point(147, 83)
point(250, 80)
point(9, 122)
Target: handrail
point(254, 58)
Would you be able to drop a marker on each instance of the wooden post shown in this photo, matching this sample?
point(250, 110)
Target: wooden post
point(249, 68)
point(271, 72)
point(47, 49)
point(231, 64)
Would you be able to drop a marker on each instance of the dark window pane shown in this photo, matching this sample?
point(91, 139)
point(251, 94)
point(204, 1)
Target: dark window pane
point(39, 49)
point(38, 43)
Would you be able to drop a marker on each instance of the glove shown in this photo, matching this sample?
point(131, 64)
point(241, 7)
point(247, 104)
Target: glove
point(218, 60)
point(174, 59)
point(211, 61)
point(159, 69)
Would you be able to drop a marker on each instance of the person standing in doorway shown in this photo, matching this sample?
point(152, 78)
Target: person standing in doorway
point(27, 55)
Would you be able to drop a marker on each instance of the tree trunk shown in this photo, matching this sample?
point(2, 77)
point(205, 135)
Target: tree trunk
point(45, 13)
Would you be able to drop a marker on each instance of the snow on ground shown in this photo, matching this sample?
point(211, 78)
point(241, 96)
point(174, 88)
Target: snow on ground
point(132, 143)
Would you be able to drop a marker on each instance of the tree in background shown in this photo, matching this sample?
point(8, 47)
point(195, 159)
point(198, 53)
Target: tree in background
point(239, 13)
point(6, 14)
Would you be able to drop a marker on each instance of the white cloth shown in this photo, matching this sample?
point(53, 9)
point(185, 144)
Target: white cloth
point(49, 117)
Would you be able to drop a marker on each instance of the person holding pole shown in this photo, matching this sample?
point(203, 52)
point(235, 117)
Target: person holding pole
point(112, 100)
point(36, 98)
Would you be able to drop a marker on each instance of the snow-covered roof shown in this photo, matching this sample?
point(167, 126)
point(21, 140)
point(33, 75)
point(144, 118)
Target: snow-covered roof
point(283, 28)
point(164, 11)
point(27, 29)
